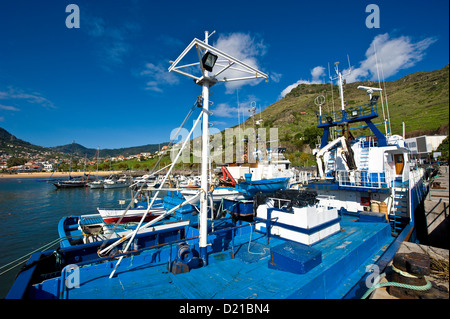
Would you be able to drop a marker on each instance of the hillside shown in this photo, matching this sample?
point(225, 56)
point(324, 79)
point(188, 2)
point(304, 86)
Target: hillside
point(11, 145)
point(19, 146)
point(81, 150)
point(421, 100)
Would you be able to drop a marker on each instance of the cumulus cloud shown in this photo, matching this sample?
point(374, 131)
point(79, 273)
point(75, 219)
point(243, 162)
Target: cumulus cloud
point(225, 110)
point(158, 77)
point(245, 48)
point(316, 73)
point(228, 111)
point(393, 55)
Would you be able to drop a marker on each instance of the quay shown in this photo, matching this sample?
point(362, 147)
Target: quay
point(434, 244)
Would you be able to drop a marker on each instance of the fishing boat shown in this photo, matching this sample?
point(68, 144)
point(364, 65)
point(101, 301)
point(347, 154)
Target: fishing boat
point(307, 247)
point(96, 184)
point(91, 228)
point(370, 174)
point(72, 183)
point(114, 215)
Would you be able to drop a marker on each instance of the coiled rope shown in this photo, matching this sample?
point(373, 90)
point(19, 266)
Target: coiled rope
point(425, 287)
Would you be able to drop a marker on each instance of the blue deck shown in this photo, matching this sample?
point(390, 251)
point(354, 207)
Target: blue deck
point(344, 259)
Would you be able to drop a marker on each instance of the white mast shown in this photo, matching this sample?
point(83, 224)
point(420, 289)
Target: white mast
point(209, 58)
point(340, 78)
point(202, 218)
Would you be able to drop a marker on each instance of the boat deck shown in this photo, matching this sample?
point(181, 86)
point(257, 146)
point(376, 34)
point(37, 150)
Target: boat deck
point(345, 256)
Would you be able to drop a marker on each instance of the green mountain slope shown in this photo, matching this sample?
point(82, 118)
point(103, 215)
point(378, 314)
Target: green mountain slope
point(81, 150)
point(9, 144)
point(421, 100)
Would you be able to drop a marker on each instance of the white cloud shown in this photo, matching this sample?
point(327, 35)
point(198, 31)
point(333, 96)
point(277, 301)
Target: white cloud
point(317, 73)
point(245, 48)
point(18, 94)
point(225, 110)
point(158, 77)
point(241, 111)
point(113, 42)
point(393, 55)
point(8, 108)
point(275, 77)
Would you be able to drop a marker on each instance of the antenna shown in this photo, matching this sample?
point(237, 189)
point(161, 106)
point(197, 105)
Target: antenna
point(369, 90)
point(319, 100)
point(339, 76)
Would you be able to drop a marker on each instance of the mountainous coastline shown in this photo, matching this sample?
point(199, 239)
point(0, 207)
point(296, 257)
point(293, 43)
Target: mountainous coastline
point(11, 145)
point(421, 100)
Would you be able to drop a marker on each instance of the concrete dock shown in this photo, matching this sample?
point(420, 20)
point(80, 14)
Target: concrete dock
point(437, 210)
point(436, 240)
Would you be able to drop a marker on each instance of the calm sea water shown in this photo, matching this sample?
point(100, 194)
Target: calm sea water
point(30, 211)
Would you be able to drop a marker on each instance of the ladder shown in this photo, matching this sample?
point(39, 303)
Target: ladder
point(400, 200)
point(331, 162)
point(364, 159)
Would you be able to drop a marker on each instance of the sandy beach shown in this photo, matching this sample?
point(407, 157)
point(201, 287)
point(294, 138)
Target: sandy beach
point(56, 174)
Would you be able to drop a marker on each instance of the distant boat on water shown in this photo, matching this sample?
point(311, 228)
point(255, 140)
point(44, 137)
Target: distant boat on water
point(72, 183)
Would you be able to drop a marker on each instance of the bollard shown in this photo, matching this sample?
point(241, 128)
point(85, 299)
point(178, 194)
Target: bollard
point(409, 269)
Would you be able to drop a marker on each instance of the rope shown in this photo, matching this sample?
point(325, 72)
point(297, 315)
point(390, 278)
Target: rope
point(18, 261)
point(250, 240)
point(425, 287)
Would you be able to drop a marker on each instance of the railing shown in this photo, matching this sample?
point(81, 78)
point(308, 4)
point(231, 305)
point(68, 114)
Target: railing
point(351, 113)
point(364, 179)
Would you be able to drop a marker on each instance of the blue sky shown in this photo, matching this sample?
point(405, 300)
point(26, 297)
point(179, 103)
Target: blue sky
point(106, 83)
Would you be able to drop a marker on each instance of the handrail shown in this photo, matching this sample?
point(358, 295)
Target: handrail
point(348, 114)
point(366, 179)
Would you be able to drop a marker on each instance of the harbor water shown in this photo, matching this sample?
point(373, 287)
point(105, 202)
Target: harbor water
point(30, 210)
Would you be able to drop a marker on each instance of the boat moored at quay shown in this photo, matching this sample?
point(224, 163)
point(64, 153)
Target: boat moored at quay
point(317, 242)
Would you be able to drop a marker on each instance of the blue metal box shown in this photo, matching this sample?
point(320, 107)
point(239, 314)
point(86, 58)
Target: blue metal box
point(294, 257)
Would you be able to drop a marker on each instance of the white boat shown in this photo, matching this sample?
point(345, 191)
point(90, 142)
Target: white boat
point(189, 182)
point(144, 179)
point(218, 194)
point(124, 181)
point(96, 184)
point(113, 215)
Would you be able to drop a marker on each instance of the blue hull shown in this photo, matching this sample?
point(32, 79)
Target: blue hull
point(236, 254)
point(240, 208)
point(263, 186)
